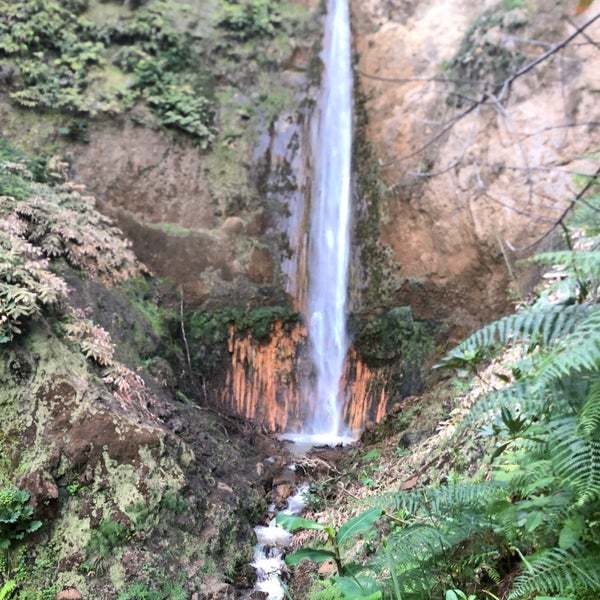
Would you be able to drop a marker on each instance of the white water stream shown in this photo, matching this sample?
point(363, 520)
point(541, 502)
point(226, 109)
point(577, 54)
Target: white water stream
point(330, 227)
point(268, 553)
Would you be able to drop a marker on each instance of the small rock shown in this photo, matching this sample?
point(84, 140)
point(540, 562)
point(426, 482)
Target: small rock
point(282, 492)
point(69, 594)
point(327, 569)
point(216, 590)
point(233, 225)
point(260, 469)
point(256, 595)
point(44, 493)
point(397, 408)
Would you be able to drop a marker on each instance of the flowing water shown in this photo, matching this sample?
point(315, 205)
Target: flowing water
point(268, 552)
point(330, 227)
point(328, 277)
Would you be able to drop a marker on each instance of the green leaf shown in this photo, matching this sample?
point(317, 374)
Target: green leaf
point(315, 555)
point(8, 589)
point(358, 525)
point(498, 451)
point(292, 523)
point(534, 520)
point(571, 532)
point(372, 456)
point(358, 588)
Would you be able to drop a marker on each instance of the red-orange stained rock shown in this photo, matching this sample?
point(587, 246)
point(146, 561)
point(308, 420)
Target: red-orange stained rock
point(262, 382)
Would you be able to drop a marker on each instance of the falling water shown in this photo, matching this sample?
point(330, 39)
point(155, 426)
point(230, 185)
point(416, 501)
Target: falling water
point(330, 225)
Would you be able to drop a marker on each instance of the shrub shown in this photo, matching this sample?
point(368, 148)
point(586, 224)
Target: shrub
point(40, 223)
point(246, 19)
point(16, 517)
point(52, 48)
point(106, 538)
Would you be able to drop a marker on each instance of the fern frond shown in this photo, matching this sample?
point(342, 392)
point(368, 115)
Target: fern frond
point(558, 572)
point(576, 459)
point(589, 419)
point(450, 499)
point(544, 325)
point(521, 398)
point(578, 352)
point(582, 264)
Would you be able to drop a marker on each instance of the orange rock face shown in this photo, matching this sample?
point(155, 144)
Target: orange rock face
point(264, 383)
point(463, 205)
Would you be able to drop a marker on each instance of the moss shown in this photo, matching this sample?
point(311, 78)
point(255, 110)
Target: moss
point(144, 295)
point(63, 62)
point(397, 343)
point(208, 332)
point(484, 61)
point(377, 278)
point(173, 229)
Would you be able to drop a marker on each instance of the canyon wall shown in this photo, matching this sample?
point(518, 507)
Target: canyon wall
point(466, 196)
point(445, 204)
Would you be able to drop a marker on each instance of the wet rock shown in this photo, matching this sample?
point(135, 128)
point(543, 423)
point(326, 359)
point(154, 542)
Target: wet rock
point(216, 590)
point(397, 408)
point(287, 475)
point(282, 492)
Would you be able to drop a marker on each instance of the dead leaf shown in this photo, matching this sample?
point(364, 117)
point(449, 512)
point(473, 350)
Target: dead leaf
point(410, 483)
point(583, 6)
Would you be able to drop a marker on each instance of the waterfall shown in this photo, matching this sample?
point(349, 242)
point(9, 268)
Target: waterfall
point(330, 225)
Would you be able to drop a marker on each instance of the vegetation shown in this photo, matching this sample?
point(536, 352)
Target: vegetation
point(485, 60)
point(53, 54)
point(16, 517)
point(527, 525)
point(250, 18)
point(40, 224)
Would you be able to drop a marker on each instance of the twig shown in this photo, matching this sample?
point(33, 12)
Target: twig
point(501, 91)
point(586, 188)
point(184, 336)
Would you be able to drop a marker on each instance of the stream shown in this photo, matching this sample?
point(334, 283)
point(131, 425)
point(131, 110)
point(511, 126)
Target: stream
point(270, 550)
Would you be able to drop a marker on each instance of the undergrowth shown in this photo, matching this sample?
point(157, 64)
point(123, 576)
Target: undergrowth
point(42, 224)
point(527, 525)
point(51, 55)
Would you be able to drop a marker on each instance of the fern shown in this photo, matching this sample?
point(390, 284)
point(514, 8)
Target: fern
point(576, 459)
point(451, 499)
point(577, 264)
point(43, 223)
point(578, 352)
point(589, 419)
point(521, 398)
point(558, 571)
point(543, 325)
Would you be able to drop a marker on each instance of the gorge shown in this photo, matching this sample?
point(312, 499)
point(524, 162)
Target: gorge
point(229, 225)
